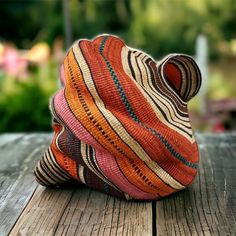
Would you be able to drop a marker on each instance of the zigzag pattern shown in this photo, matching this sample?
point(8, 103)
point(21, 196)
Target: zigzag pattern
point(121, 121)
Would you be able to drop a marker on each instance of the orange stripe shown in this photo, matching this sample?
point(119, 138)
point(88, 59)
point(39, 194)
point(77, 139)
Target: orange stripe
point(81, 115)
point(155, 149)
point(140, 105)
point(65, 162)
point(98, 69)
point(159, 186)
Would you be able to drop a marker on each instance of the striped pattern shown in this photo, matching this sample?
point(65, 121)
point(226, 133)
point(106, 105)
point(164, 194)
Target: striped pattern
point(48, 172)
point(121, 122)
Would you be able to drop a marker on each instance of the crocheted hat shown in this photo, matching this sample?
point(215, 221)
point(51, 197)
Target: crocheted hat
point(121, 121)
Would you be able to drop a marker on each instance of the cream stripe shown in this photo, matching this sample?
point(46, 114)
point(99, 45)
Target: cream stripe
point(92, 166)
point(126, 65)
point(81, 174)
point(191, 139)
point(184, 84)
point(59, 176)
point(49, 168)
point(39, 178)
point(193, 74)
point(85, 159)
point(48, 171)
point(127, 196)
point(115, 123)
point(63, 172)
point(132, 61)
point(48, 178)
point(187, 60)
point(162, 63)
point(166, 103)
point(158, 64)
point(57, 138)
point(152, 92)
point(169, 112)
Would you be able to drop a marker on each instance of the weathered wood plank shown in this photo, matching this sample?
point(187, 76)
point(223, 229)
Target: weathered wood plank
point(7, 138)
point(18, 155)
point(208, 207)
point(82, 211)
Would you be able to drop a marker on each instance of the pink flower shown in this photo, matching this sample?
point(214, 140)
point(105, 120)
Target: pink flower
point(12, 63)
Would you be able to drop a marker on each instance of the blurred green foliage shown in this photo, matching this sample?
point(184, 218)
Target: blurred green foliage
point(157, 26)
point(24, 103)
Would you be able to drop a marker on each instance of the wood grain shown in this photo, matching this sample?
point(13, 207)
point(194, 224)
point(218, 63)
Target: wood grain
point(18, 155)
point(208, 207)
point(82, 212)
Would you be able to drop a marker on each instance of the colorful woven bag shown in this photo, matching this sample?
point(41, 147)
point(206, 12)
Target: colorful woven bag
point(121, 121)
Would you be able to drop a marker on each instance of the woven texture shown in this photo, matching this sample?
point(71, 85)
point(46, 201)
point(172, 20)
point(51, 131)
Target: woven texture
point(121, 121)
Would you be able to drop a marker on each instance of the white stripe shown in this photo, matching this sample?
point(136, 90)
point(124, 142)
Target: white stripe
point(150, 89)
point(59, 176)
point(38, 177)
point(86, 158)
point(167, 107)
point(146, 76)
point(81, 174)
point(48, 178)
point(115, 123)
point(57, 138)
point(63, 172)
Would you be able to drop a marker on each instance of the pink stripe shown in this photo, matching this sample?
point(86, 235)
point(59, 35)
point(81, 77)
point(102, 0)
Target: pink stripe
point(109, 166)
point(62, 74)
point(105, 160)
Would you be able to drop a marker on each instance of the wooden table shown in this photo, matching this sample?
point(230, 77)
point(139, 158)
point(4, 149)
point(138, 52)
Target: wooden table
point(208, 207)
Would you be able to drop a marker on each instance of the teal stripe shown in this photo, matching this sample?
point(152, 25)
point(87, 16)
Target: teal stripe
point(132, 113)
point(117, 82)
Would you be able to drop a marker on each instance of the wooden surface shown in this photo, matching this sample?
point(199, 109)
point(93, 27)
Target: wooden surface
point(208, 207)
point(18, 155)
